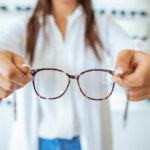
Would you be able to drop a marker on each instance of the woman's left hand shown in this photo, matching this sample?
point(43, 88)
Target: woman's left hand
point(133, 73)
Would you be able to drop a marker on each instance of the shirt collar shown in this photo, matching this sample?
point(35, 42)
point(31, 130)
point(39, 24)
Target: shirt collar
point(76, 13)
point(79, 11)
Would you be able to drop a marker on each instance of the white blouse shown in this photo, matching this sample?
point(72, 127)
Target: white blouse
point(72, 114)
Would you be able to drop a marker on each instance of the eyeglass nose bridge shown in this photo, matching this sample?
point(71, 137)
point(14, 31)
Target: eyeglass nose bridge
point(74, 77)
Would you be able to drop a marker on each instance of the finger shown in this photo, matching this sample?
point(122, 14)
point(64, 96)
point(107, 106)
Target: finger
point(138, 88)
point(5, 84)
point(124, 61)
point(4, 93)
point(12, 74)
point(9, 71)
point(141, 98)
point(141, 75)
point(139, 94)
point(10, 86)
point(22, 82)
point(20, 63)
point(131, 87)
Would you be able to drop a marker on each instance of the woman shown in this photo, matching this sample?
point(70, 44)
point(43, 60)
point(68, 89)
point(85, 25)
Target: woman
point(66, 35)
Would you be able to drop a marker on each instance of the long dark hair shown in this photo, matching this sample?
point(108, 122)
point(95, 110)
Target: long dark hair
point(43, 9)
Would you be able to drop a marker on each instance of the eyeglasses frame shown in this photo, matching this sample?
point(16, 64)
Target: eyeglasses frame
point(71, 77)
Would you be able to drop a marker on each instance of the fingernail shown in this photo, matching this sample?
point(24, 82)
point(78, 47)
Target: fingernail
point(26, 66)
point(119, 71)
point(114, 79)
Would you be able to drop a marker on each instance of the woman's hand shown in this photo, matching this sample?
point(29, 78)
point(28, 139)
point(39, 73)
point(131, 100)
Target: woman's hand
point(133, 73)
point(13, 73)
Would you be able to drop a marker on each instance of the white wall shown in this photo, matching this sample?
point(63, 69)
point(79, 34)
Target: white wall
point(130, 24)
point(123, 4)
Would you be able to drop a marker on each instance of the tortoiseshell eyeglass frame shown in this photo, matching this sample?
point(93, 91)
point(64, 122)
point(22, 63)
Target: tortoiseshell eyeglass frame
point(71, 77)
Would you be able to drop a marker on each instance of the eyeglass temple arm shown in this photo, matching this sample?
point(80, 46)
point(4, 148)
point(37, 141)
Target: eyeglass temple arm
point(125, 115)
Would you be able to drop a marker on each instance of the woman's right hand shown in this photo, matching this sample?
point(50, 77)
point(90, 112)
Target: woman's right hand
point(13, 73)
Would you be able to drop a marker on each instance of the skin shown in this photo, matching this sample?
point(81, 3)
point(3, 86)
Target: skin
point(136, 74)
point(61, 10)
point(11, 71)
point(135, 65)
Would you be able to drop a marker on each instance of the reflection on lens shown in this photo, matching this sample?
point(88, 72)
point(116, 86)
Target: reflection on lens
point(50, 83)
point(96, 84)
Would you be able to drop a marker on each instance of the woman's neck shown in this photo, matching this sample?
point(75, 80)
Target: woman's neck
point(61, 10)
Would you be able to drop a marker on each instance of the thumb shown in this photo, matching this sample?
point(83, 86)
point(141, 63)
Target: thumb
point(124, 62)
point(25, 68)
point(19, 62)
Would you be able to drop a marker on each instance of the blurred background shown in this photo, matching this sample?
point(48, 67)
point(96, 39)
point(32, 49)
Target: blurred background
point(134, 17)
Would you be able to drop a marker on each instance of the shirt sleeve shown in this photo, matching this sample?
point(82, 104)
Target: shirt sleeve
point(12, 37)
point(119, 40)
point(115, 39)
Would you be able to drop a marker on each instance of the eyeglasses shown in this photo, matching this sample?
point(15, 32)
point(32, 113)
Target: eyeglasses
point(51, 83)
point(94, 84)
